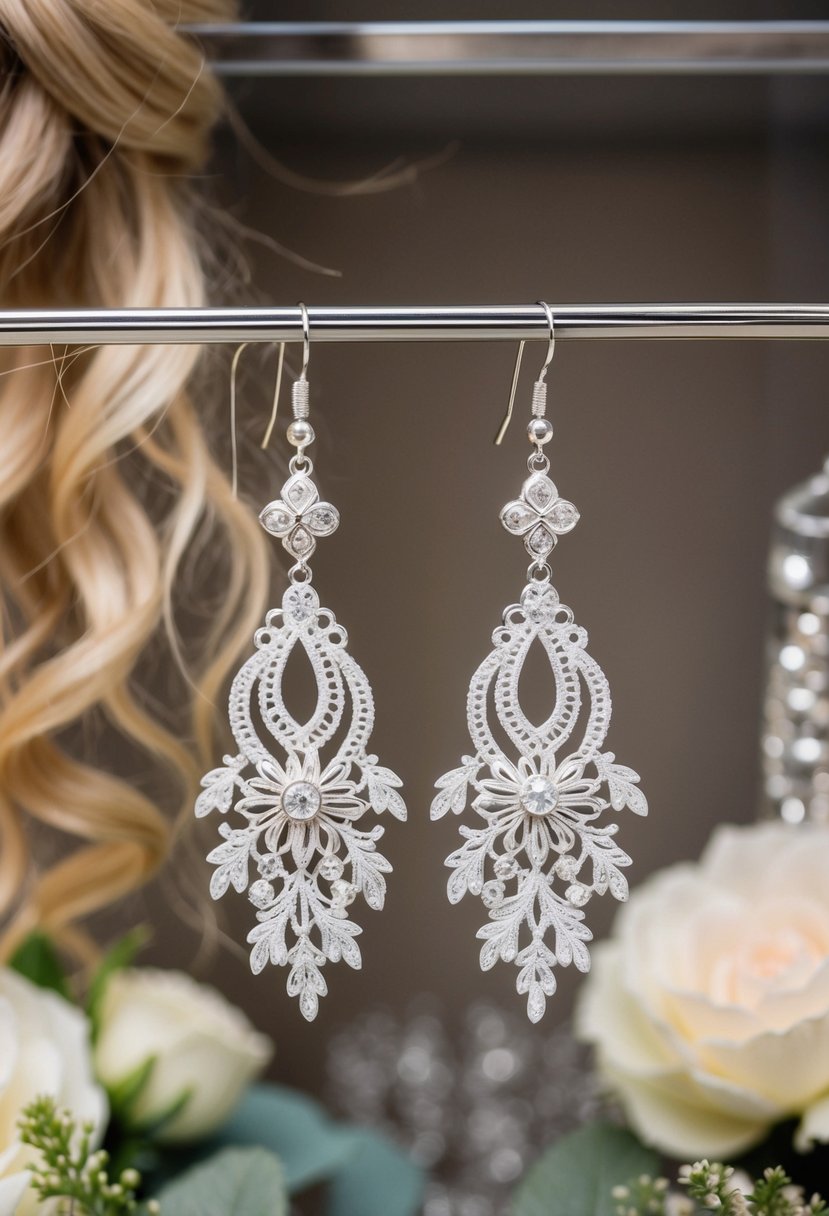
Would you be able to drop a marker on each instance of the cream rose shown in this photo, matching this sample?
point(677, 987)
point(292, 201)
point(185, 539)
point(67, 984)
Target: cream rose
point(201, 1051)
point(709, 1007)
point(44, 1049)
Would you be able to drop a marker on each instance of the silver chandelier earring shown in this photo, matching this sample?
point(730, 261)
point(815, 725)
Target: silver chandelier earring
point(298, 812)
point(540, 852)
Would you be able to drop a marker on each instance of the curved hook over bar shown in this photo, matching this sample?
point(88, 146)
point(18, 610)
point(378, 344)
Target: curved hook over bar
point(516, 371)
point(306, 340)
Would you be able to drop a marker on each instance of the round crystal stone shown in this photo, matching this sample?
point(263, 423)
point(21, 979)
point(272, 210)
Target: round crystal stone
point(261, 893)
point(578, 895)
point(331, 867)
point(539, 796)
point(566, 867)
point(492, 894)
point(301, 800)
point(268, 866)
point(344, 893)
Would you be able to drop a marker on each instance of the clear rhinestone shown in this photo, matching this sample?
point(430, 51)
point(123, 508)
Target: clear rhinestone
point(505, 867)
point(299, 492)
point(540, 541)
point(539, 491)
point(562, 516)
point(331, 867)
point(344, 893)
point(300, 602)
point(517, 517)
point(301, 800)
point(492, 894)
point(261, 893)
point(300, 542)
point(539, 602)
point(269, 866)
point(539, 796)
point(322, 519)
point(578, 895)
point(566, 868)
point(276, 520)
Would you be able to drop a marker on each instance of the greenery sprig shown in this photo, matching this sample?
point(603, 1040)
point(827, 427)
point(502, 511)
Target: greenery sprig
point(711, 1188)
point(67, 1168)
point(643, 1196)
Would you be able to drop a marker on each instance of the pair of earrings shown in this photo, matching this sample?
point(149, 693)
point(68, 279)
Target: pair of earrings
point(303, 852)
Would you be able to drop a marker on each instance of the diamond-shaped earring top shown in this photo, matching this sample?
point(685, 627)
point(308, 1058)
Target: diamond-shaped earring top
point(539, 515)
point(298, 518)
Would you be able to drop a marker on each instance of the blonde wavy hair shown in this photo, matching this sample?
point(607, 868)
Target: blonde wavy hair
point(106, 478)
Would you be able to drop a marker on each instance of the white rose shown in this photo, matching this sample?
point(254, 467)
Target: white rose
point(709, 1007)
point(203, 1050)
point(44, 1049)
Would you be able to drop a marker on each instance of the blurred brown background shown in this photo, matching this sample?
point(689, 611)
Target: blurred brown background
point(575, 190)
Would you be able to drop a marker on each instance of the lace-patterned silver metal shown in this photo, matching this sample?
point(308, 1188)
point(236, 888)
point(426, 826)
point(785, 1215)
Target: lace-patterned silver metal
point(296, 793)
point(538, 851)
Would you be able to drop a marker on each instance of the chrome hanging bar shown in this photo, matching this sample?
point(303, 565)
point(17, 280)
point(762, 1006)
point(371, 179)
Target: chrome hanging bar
point(481, 323)
point(514, 48)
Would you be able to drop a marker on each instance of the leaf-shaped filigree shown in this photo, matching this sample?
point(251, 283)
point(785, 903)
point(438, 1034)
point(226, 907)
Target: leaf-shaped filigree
point(540, 853)
point(295, 844)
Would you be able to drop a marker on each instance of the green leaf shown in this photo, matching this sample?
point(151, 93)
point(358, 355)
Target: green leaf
point(37, 960)
point(578, 1173)
point(378, 1180)
point(123, 1093)
point(310, 1146)
point(117, 957)
point(150, 1128)
point(234, 1182)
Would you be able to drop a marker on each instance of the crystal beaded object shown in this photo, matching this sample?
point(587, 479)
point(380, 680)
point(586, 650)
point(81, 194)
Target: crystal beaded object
point(541, 805)
point(301, 800)
point(301, 807)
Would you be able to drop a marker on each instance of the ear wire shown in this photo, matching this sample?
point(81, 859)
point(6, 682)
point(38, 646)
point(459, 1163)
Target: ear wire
point(539, 402)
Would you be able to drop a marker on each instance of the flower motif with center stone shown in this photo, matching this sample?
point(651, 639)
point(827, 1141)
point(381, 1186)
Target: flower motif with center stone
point(539, 515)
point(538, 805)
point(298, 518)
point(300, 808)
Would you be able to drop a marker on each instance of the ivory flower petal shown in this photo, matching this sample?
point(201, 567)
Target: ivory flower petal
point(203, 1050)
point(12, 1189)
point(709, 1007)
point(44, 1049)
point(814, 1126)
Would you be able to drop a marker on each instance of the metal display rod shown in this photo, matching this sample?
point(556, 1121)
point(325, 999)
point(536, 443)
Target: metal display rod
point(514, 48)
point(485, 323)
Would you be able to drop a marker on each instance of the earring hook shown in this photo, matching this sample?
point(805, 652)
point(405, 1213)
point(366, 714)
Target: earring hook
point(300, 432)
point(275, 406)
point(306, 341)
point(516, 371)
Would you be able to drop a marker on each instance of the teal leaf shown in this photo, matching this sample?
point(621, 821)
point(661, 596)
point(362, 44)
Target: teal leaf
point(37, 960)
point(310, 1146)
point(578, 1173)
point(117, 957)
point(378, 1180)
point(234, 1182)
